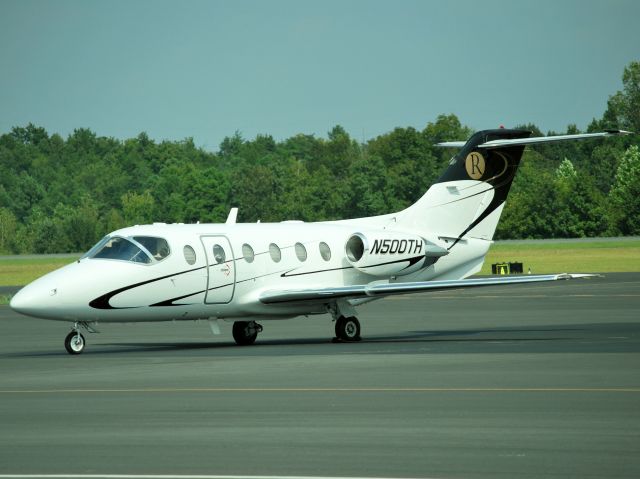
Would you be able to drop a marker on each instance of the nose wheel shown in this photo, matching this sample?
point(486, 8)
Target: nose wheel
point(74, 342)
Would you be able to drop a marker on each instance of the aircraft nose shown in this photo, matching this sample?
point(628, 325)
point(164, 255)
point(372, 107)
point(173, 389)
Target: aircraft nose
point(20, 302)
point(33, 300)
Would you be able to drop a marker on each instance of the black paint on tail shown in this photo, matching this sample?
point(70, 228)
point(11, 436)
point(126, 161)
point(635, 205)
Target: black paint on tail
point(495, 166)
point(486, 164)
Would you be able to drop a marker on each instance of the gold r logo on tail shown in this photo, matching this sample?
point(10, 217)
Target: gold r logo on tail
point(474, 164)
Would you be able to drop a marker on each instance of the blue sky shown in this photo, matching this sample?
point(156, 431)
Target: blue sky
point(205, 69)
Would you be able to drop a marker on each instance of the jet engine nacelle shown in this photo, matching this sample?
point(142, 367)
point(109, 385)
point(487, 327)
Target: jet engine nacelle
point(383, 253)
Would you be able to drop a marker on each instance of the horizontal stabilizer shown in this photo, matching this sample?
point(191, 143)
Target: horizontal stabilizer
point(325, 295)
point(535, 140)
point(549, 139)
point(452, 144)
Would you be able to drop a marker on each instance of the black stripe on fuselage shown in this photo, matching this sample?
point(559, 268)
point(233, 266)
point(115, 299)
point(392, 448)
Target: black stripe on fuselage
point(170, 302)
point(102, 302)
point(287, 275)
point(411, 261)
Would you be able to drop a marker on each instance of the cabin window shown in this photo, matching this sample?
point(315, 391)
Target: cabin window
point(247, 252)
point(274, 251)
point(301, 252)
point(218, 254)
point(121, 249)
point(189, 254)
point(325, 251)
point(158, 247)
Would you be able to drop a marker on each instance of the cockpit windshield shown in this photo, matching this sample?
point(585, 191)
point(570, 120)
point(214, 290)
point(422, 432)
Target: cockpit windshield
point(137, 249)
point(119, 248)
point(95, 248)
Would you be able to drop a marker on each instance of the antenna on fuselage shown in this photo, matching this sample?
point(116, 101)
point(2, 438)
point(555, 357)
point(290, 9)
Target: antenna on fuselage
point(233, 215)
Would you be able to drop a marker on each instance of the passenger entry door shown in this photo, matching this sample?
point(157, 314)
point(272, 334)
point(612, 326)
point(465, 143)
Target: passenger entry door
point(221, 269)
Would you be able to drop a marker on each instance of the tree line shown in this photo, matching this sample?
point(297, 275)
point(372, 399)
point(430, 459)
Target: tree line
point(62, 195)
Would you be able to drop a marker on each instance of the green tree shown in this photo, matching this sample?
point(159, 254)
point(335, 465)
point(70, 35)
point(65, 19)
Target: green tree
point(367, 182)
point(137, 208)
point(78, 226)
point(580, 208)
point(566, 173)
point(625, 195)
point(406, 155)
point(253, 191)
point(42, 234)
point(231, 146)
point(339, 152)
point(8, 230)
point(623, 107)
point(446, 128)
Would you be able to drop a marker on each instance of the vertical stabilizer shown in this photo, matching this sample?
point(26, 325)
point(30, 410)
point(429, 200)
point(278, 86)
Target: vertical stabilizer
point(467, 200)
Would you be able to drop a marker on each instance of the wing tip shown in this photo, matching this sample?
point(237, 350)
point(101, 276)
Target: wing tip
point(579, 275)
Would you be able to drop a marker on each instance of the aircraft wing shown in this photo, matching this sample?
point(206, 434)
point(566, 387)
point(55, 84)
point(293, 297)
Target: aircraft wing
point(535, 139)
point(324, 295)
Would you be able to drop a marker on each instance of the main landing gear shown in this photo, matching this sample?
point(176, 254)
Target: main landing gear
point(74, 342)
point(246, 332)
point(348, 329)
point(347, 325)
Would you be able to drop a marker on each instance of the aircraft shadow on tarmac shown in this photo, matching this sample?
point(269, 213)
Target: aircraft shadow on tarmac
point(593, 337)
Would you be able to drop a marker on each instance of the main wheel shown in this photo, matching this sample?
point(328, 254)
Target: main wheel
point(245, 332)
point(74, 342)
point(348, 329)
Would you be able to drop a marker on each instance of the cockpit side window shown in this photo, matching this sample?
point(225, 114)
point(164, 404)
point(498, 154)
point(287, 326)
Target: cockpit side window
point(121, 249)
point(158, 247)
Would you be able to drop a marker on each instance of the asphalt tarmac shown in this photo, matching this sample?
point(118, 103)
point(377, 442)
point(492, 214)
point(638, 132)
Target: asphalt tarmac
point(519, 381)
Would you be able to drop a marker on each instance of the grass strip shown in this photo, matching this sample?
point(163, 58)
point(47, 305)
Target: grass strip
point(20, 271)
point(568, 257)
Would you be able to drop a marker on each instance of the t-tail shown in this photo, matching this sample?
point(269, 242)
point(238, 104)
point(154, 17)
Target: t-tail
point(468, 199)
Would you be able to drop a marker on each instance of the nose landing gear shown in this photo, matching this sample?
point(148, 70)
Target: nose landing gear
point(74, 342)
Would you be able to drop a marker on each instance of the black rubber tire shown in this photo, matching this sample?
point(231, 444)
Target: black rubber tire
point(240, 334)
point(348, 329)
point(74, 345)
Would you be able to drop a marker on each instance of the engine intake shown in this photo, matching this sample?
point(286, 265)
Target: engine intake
point(382, 253)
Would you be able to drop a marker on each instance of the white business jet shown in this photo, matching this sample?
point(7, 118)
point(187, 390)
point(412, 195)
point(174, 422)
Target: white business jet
point(247, 273)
